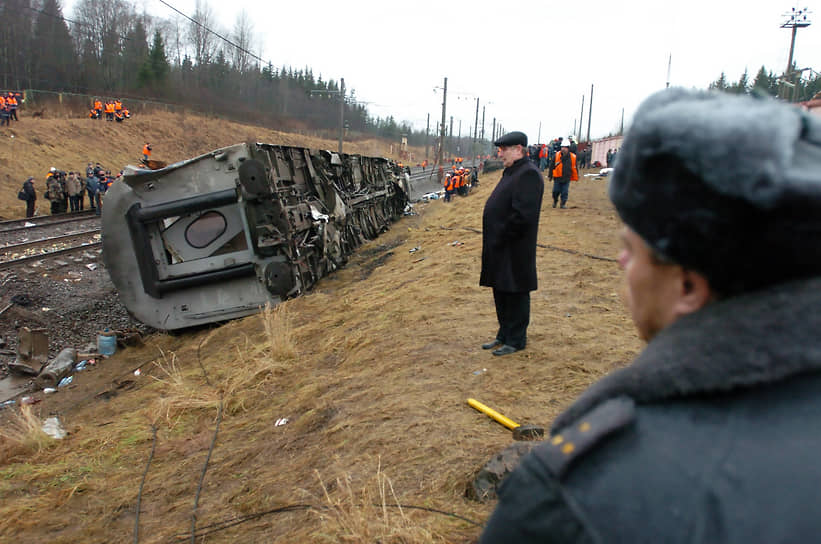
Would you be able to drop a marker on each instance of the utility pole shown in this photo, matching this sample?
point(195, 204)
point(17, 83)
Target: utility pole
point(483, 126)
point(669, 65)
point(427, 137)
point(797, 18)
point(442, 126)
point(341, 111)
point(539, 137)
point(458, 139)
point(589, 112)
point(581, 120)
point(493, 132)
point(341, 93)
point(475, 130)
point(621, 126)
point(450, 147)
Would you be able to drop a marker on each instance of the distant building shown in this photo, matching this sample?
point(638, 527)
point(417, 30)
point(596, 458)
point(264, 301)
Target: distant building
point(600, 148)
point(812, 106)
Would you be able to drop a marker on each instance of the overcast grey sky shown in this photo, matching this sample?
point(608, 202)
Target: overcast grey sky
point(527, 62)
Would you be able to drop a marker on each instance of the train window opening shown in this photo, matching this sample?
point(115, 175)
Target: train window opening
point(205, 229)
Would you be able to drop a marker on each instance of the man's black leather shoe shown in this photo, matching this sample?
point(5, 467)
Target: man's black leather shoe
point(492, 344)
point(505, 350)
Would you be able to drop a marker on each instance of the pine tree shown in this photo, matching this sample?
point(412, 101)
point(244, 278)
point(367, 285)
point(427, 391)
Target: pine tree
point(720, 84)
point(54, 60)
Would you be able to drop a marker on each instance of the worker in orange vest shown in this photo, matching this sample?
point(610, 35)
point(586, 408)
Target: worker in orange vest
point(449, 186)
point(109, 111)
point(98, 107)
point(564, 171)
point(11, 103)
point(4, 112)
point(146, 151)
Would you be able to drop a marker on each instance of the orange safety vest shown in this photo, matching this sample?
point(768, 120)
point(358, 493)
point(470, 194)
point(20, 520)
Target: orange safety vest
point(146, 151)
point(98, 105)
point(109, 107)
point(557, 170)
point(2, 102)
point(12, 100)
point(118, 105)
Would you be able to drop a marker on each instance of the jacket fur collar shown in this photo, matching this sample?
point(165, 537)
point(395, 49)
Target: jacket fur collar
point(741, 342)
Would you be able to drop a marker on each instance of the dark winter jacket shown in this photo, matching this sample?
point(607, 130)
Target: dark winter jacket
point(92, 185)
point(713, 434)
point(510, 224)
point(28, 188)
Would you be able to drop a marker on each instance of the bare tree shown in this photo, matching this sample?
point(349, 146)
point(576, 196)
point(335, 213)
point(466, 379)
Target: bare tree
point(101, 30)
point(202, 39)
point(243, 35)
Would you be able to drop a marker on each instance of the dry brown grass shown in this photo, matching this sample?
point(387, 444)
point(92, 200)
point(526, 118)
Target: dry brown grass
point(372, 370)
point(21, 433)
point(68, 143)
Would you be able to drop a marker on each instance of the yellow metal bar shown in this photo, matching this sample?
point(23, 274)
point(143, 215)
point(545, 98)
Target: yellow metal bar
point(493, 414)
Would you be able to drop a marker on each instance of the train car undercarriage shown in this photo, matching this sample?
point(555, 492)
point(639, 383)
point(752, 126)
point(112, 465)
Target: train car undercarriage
point(219, 236)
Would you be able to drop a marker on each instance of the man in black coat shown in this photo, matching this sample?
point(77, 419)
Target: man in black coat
point(713, 433)
point(31, 196)
point(510, 224)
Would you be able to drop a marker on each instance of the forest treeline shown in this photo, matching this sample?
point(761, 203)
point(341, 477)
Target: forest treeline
point(108, 48)
point(765, 82)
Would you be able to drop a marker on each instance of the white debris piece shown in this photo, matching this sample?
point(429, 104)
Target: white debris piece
point(53, 428)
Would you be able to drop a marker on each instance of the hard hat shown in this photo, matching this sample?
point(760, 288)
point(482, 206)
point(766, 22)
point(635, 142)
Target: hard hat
point(565, 144)
point(52, 169)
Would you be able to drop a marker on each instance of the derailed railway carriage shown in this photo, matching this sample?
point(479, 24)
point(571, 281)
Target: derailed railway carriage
point(219, 236)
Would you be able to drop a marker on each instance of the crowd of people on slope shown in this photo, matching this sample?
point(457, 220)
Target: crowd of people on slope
point(112, 109)
point(67, 191)
point(8, 107)
point(460, 180)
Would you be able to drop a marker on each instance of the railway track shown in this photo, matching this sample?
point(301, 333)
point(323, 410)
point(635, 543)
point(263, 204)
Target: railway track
point(44, 221)
point(20, 254)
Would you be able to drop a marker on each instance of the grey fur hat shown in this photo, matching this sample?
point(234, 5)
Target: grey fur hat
point(729, 186)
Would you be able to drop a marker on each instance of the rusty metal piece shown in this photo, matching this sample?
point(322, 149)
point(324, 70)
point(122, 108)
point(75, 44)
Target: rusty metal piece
point(32, 346)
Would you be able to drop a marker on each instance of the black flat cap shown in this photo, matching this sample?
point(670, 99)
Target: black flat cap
point(512, 138)
point(729, 186)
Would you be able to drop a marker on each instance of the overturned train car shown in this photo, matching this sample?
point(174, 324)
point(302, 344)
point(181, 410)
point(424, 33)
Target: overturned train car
point(218, 236)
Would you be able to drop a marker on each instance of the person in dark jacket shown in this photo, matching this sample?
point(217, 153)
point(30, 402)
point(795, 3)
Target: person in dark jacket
point(31, 196)
point(712, 433)
point(510, 224)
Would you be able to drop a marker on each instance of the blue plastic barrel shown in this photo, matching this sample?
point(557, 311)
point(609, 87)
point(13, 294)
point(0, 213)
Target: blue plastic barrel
point(106, 342)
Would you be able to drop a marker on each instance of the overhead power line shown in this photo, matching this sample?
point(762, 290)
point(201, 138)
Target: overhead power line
point(217, 34)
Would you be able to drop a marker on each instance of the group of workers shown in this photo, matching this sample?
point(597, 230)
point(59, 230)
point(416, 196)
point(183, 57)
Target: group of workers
point(113, 110)
point(8, 107)
point(66, 191)
point(460, 181)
